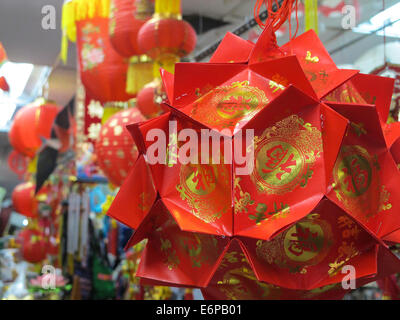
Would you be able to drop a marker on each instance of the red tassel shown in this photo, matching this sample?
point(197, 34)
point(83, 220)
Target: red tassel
point(278, 17)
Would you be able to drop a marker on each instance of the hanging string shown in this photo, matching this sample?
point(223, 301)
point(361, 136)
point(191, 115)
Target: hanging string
point(384, 37)
point(277, 17)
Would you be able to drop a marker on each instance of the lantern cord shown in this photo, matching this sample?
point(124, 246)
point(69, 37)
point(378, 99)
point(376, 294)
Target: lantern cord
point(276, 18)
point(384, 37)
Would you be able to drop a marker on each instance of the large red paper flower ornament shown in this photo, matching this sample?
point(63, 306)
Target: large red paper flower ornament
point(318, 194)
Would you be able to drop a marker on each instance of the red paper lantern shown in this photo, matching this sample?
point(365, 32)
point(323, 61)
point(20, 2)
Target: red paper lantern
point(126, 19)
point(147, 99)
point(23, 198)
point(31, 124)
point(321, 192)
point(33, 246)
point(162, 38)
point(103, 71)
point(115, 150)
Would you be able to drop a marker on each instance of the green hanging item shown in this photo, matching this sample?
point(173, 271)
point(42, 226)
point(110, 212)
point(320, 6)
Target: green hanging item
point(103, 286)
point(311, 15)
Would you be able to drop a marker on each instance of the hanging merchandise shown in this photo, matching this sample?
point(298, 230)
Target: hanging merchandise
point(33, 245)
point(102, 69)
point(32, 126)
point(115, 150)
point(303, 184)
point(18, 163)
point(166, 37)
point(24, 200)
point(311, 15)
point(97, 199)
point(149, 99)
point(126, 19)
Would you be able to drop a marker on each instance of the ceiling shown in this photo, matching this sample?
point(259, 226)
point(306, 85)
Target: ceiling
point(26, 41)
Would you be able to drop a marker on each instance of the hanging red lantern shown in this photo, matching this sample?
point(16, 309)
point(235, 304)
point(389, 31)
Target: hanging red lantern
point(25, 201)
point(126, 19)
point(166, 37)
point(116, 153)
point(102, 69)
point(23, 198)
point(149, 99)
point(33, 245)
point(31, 125)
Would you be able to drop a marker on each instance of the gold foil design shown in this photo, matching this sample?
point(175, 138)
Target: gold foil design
point(244, 198)
point(224, 107)
point(285, 154)
point(357, 182)
point(347, 249)
point(144, 202)
point(204, 187)
point(358, 128)
point(311, 59)
point(305, 244)
point(171, 259)
point(200, 250)
point(237, 283)
point(278, 82)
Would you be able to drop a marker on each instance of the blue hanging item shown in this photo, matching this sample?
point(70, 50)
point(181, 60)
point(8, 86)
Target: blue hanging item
point(97, 198)
point(106, 225)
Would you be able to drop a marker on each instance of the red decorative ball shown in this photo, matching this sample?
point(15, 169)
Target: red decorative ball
point(115, 149)
point(33, 246)
point(164, 37)
point(23, 198)
point(126, 19)
point(147, 99)
point(31, 124)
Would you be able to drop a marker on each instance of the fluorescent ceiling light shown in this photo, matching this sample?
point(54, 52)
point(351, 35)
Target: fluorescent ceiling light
point(17, 76)
point(7, 107)
point(389, 16)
